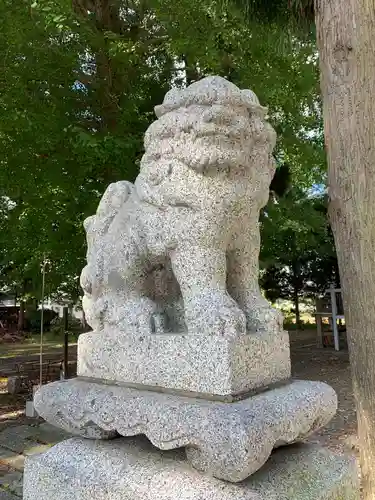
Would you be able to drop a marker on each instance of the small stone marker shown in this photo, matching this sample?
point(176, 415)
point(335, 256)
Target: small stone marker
point(30, 410)
point(14, 385)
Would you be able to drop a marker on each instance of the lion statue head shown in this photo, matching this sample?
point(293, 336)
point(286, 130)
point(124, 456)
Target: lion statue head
point(209, 128)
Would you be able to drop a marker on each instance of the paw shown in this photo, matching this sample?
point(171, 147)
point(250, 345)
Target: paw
point(95, 309)
point(215, 313)
point(133, 316)
point(264, 318)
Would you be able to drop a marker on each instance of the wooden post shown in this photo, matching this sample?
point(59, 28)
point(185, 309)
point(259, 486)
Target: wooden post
point(83, 320)
point(319, 323)
point(66, 341)
point(319, 330)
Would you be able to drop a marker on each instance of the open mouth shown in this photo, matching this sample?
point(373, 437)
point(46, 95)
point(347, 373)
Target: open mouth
point(220, 136)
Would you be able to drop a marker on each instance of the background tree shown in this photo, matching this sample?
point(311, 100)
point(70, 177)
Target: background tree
point(298, 254)
point(77, 92)
point(68, 128)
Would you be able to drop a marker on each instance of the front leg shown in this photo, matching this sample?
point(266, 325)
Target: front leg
point(209, 309)
point(243, 283)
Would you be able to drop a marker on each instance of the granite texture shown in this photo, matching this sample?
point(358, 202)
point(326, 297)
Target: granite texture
point(129, 469)
point(230, 441)
point(209, 365)
point(178, 251)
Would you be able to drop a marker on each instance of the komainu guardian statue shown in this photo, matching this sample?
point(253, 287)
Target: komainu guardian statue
point(179, 249)
point(184, 348)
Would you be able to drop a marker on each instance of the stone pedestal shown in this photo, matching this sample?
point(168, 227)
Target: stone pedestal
point(230, 441)
point(132, 469)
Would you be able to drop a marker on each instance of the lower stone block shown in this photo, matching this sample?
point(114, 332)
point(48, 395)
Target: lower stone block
point(230, 441)
point(132, 469)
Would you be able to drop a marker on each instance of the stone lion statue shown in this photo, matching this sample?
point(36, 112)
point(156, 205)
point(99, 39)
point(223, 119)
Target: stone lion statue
point(178, 251)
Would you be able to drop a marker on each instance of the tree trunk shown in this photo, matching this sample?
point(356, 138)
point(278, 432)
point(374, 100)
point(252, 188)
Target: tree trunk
point(191, 71)
point(346, 40)
point(83, 320)
point(297, 284)
point(21, 316)
point(297, 311)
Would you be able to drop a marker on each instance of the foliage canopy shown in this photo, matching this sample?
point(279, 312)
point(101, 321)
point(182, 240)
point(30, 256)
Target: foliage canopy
point(77, 90)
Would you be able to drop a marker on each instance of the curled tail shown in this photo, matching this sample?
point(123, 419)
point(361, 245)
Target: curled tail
point(96, 226)
point(113, 199)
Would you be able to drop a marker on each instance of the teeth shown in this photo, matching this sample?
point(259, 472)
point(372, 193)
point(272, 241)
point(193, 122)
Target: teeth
point(214, 159)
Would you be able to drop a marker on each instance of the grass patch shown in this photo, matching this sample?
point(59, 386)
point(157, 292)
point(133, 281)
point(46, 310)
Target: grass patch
point(30, 347)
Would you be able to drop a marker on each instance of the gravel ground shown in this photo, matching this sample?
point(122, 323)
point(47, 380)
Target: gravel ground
point(327, 365)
